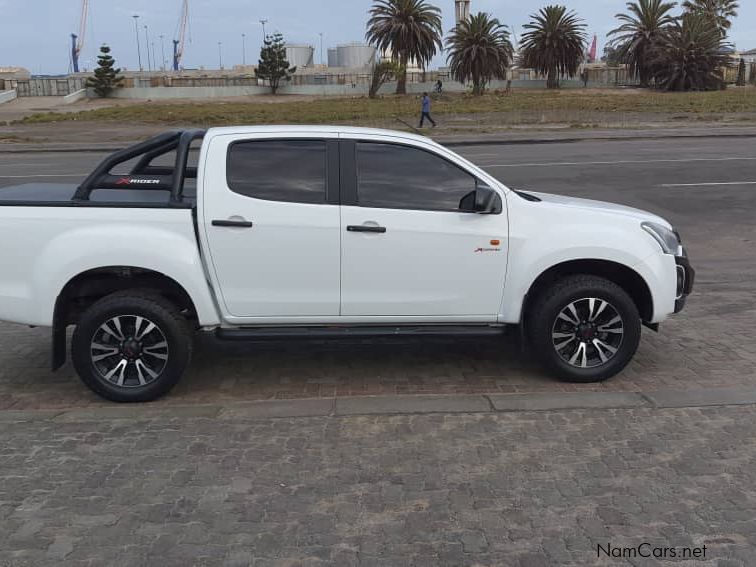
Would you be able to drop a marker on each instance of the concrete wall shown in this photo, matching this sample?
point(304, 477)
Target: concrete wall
point(75, 97)
point(7, 96)
point(158, 93)
point(165, 93)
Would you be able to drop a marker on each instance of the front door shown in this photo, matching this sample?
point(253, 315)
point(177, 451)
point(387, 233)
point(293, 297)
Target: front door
point(407, 250)
point(271, 220)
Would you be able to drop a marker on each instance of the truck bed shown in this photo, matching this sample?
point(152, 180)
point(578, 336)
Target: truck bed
point(62, 195)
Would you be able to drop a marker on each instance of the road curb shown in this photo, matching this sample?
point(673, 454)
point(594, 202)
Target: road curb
point(398, 405)
point(573, 140)
point(64, 150)
point(562, 401)
point(448, 142)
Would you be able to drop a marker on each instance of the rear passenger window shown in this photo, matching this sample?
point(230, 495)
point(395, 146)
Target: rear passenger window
point(278, 170)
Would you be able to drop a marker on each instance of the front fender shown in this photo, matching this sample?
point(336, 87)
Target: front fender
point(540, 246)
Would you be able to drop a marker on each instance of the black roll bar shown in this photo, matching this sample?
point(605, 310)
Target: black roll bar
point(143, 164)
point(158, 178)
point(182, 157)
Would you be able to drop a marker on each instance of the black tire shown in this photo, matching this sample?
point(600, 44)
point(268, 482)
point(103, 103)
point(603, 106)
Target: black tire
point(171, 328)
point(544, 320)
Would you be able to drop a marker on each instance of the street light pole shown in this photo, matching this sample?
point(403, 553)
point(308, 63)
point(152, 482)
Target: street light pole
point(162, 48)
point(139, 49)
point(244, 49)
point(263, 22)
point(147, 44)
point(220, 54)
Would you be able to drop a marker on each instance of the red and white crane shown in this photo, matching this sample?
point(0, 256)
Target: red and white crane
point(178, 44)
point(77, 41)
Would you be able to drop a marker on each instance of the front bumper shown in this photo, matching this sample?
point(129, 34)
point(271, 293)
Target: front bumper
point(686, 276)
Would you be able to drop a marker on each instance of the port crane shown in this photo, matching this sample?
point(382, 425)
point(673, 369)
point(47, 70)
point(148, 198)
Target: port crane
point(178, 44)
point(77, 41)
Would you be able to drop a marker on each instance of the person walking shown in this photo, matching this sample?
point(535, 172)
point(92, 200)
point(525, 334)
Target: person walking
point(426, 111)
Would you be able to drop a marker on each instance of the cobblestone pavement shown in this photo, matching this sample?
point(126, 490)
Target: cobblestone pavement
point(193, 480)
point(521, 489)
point(709, 345)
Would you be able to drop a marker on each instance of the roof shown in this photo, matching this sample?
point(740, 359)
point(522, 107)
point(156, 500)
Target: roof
point(283, 129)
point(751, 52)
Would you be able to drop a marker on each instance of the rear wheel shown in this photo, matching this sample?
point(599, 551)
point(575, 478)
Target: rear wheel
point(584, 328)
point(131, 346)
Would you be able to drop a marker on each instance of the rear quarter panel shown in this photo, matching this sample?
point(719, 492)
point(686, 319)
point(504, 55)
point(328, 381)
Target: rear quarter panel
point(43, 248)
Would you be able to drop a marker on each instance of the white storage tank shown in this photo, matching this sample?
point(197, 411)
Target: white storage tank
point(300, 55)
point(333, 57)
point(356, 55)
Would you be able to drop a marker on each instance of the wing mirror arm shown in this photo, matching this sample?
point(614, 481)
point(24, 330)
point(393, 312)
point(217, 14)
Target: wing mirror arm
point(482, 200)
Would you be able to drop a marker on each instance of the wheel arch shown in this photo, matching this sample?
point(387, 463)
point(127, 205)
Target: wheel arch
point(625, 277)
point(85, 288)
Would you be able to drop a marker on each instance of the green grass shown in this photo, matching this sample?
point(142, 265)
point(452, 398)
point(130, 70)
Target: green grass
point(569, 106)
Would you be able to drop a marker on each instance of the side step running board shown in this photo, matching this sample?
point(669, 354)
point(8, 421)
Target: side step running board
point(361, 331)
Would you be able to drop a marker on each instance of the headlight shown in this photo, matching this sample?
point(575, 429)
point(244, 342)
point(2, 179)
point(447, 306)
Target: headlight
point(667, 239)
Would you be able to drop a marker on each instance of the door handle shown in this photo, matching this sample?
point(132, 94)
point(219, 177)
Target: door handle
point(232, 223)
point(366, 228)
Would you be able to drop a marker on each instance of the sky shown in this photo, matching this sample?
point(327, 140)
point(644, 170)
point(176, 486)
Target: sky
point(36, 33)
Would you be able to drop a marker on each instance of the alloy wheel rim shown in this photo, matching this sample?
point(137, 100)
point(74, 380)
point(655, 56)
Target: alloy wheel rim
point(129, 351)
point(588, 332)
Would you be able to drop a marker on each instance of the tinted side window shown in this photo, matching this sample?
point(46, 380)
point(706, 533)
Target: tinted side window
point(278, 170)
point(400, 177)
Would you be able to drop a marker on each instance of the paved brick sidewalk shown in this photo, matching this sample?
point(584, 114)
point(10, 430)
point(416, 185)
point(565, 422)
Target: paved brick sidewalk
point(709, 345)
point(521, 489)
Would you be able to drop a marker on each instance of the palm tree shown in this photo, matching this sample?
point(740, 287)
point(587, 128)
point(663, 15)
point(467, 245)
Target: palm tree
point(555, 43)
point(479, 51)
point(719, 11)
point(690, 55)
point(410, 29)
point(640, 28)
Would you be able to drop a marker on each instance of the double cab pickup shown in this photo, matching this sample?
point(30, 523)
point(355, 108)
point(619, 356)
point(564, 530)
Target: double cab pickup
point(322, 232)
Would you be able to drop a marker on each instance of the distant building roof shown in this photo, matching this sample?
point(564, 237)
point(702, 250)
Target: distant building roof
point(751, 52)
point(14, 72)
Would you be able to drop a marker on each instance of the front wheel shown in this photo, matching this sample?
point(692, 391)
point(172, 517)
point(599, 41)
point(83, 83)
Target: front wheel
point(584, 328)
point(131, 346)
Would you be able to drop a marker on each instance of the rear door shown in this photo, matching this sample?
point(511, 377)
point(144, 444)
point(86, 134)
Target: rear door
point(270, 215)
point(408, 252)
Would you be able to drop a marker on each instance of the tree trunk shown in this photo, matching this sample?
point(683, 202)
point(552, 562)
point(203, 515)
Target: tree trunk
point(401, 84)
point(552, 81)
point(479, 86)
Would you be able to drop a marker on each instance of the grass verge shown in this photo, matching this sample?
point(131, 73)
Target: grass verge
point(575, 106)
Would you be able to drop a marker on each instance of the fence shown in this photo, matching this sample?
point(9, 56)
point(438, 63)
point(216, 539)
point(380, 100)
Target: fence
point(597, 76)
point(175, 86)
point(44, 86)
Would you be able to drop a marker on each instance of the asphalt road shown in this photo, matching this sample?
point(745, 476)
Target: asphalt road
point(705, 186)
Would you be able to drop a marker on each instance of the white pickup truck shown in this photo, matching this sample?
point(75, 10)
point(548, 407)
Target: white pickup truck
point(322, 232)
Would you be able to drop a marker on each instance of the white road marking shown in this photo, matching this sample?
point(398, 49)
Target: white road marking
point(13, 164)
point(43, 175)
point(707, 184)
point(620, 162)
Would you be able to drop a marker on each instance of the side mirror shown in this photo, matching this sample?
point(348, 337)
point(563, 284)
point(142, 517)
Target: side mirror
point(483, 201)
